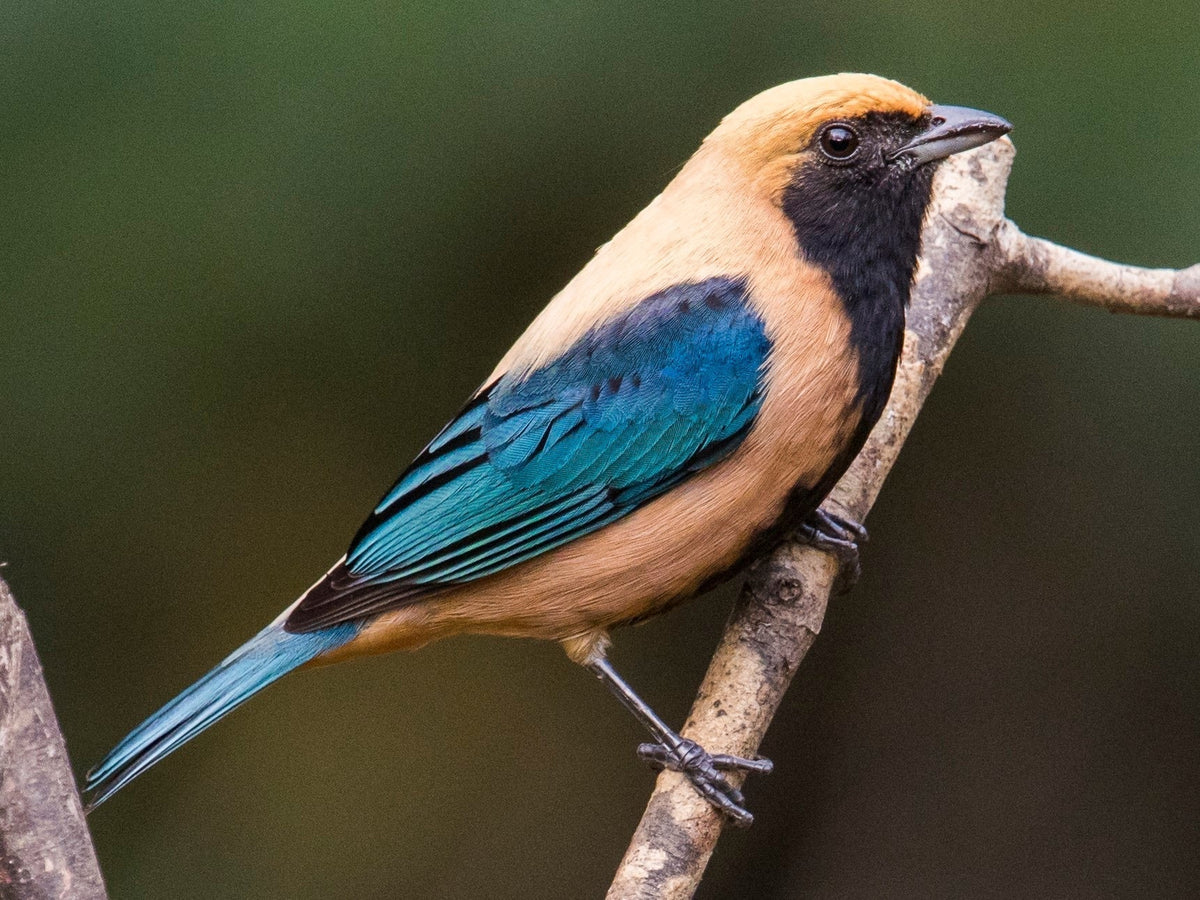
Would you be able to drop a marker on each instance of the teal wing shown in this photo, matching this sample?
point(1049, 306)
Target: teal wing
point(534, 461)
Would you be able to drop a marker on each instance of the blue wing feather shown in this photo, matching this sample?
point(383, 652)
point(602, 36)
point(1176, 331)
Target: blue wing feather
point(541, 458)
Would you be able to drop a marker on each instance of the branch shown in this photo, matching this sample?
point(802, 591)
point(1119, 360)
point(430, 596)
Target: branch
point(45, 847)
point(970, 250)
point(1038, 266)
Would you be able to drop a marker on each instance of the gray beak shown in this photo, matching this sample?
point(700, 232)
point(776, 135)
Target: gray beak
point(952, 129)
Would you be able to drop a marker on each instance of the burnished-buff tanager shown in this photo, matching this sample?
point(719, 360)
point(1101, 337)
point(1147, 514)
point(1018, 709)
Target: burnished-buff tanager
point(693, 393)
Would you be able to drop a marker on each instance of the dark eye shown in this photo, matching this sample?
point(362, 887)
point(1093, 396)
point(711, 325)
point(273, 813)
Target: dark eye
point(839, 142)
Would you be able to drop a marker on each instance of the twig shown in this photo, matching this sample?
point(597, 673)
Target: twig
point(970, 251)
point(1037, 266)
point(45, 847)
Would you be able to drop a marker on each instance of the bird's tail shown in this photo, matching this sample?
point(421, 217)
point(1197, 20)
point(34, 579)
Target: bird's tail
point(267, 657)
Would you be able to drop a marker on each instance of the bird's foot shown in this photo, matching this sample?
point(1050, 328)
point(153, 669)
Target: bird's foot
point(704, 770)
point(837, 535)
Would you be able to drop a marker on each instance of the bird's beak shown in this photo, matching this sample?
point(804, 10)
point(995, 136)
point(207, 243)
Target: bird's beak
point(952, 129)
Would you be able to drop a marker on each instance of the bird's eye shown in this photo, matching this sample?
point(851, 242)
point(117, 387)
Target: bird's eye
point(839, 142)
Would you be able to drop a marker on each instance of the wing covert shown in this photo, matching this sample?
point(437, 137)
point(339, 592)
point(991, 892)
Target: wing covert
point(630, 410)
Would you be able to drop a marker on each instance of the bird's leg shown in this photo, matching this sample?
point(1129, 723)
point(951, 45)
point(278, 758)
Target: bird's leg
point(670, 751)
point(834, 534)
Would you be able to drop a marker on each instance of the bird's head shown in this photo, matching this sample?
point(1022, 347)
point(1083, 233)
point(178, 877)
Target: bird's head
point(846, 130)
point(849, 159)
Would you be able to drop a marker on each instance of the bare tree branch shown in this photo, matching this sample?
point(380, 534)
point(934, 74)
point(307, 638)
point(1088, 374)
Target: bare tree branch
point(1037, 266)
point(45, 847)
point(970, 250)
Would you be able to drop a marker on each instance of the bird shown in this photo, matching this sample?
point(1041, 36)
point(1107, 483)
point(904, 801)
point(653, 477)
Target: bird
point(686, 400)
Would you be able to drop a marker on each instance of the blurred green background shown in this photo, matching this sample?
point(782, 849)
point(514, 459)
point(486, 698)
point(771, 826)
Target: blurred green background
point(254, 254)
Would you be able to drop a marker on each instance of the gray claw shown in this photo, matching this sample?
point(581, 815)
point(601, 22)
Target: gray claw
point(704, 772)
point(727, 763)
point(656, 755)
point(837, 535)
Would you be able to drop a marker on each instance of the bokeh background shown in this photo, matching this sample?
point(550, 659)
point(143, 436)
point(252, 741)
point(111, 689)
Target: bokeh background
point(254, 254)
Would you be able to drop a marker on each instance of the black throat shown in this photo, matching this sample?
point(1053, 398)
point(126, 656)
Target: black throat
point(862, 225)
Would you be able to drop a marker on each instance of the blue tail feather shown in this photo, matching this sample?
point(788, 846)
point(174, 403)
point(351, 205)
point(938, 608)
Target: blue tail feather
point(267, 657)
